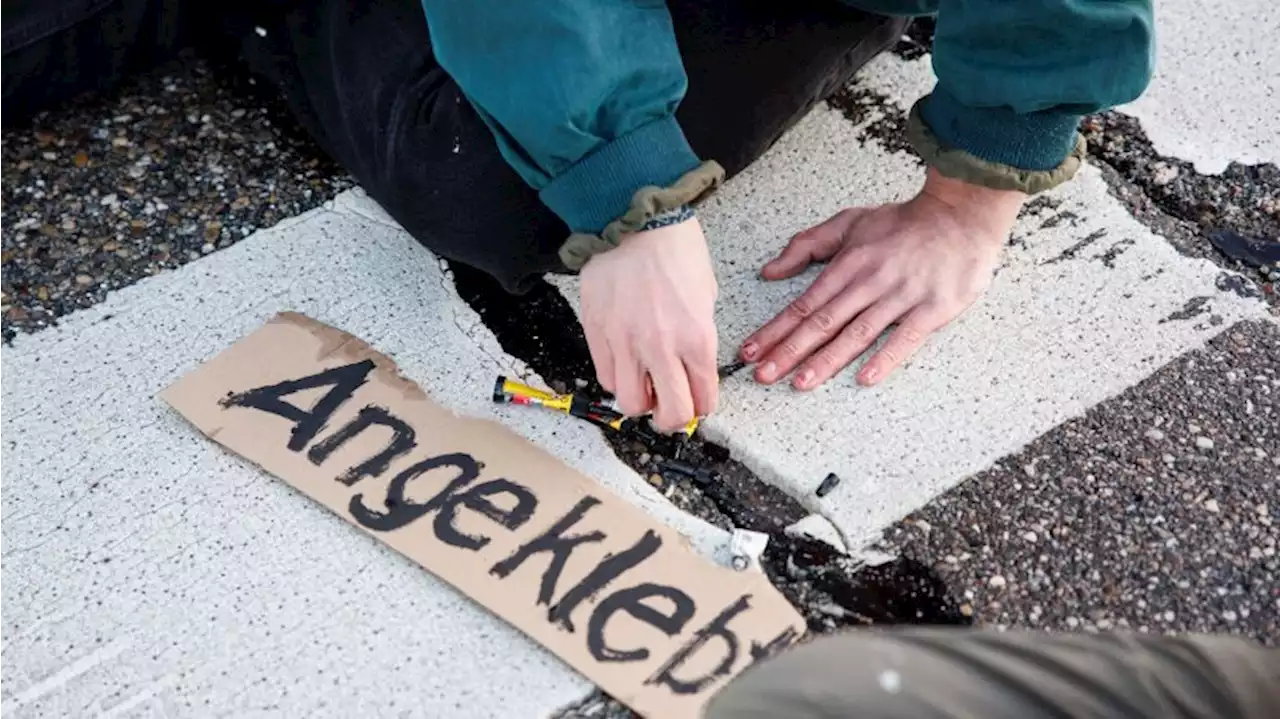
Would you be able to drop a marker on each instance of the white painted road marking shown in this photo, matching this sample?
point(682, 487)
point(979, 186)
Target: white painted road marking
point(1077, 313)
point(1215, 95)
point(124, 527)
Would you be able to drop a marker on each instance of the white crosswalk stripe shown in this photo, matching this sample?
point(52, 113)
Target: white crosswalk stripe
point(124, 527)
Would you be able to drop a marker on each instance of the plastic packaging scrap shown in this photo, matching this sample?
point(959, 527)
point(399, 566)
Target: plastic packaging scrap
point(1253, 252)
point(746, 548)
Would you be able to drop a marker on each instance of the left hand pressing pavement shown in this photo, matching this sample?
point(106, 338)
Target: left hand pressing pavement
point(918, 264)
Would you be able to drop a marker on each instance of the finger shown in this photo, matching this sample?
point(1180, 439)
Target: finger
point(674, 406)
point(852, 341)
point(601, 359)
point(633, 396)
point(818, 329)
point(816, 244)
point(903, 342)
point(834, 279)
point(704, 385)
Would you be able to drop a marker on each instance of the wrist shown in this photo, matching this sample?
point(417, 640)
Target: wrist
point(676, 223)
point(998, 208)
point(665, 218)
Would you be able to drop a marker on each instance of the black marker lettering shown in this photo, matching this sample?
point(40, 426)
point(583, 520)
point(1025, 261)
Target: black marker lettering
point(718, 627)
point(782, 641)
point(551, 541)
point(402, 441)
point(401, 511)
point(477, 500)
point(609, 569)
point(345, 381)
point(631, 601)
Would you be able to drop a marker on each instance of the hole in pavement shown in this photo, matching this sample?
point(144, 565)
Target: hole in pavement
point(830, 589)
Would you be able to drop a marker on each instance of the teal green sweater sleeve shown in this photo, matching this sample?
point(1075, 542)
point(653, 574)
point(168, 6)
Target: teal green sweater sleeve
point(580, 94)
point(1016, 76)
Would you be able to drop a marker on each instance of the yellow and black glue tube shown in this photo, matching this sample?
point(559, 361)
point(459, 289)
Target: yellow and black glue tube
point(506, 390)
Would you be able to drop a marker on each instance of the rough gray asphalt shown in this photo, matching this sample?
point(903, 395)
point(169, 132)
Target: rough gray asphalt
point(1158, 510)
point(178, 163)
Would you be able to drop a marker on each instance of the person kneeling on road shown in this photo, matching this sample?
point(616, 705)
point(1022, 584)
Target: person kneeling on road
point(578, 136)
point(955, 672)
point(584, 105)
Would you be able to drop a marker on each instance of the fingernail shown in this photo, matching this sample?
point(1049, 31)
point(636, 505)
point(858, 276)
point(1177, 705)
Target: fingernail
point(767, 370)
point(804, 378)
point(869, 375)
point(749, 350)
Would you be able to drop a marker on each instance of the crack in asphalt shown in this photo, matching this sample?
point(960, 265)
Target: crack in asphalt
point(831, 589)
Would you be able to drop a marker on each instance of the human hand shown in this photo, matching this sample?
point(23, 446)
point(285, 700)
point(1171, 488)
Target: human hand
point(648, 313)
point(918, 263)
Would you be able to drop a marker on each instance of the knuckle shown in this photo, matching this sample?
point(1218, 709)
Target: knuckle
point(800, 307)
point(789, 349)
point(890, 355)
point(883, 277)
point(702, 344)
point(860, 330)
point(633, 404)
point(822, 321)
point(824, 361)
point(910, 335)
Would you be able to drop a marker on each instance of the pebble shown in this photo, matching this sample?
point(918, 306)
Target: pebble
point(1204, 443)
point(643, 459)
point(139, 180)
point(997, 582)
point(84, 280)
point(1030, 537)
point(1154, 435)
point(1230, 616)
point(656, 480)
point(1211, 505)
point(1163, 173)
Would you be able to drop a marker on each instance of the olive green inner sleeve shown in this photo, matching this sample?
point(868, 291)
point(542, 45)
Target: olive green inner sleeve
point(691, 188)
point(970, 168)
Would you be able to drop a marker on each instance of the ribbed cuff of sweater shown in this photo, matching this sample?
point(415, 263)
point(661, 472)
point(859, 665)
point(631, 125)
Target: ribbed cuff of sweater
point(599, 188)
point(995, 147)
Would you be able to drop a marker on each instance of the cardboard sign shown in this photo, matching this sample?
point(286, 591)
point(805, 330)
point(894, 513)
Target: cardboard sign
point(608, 589)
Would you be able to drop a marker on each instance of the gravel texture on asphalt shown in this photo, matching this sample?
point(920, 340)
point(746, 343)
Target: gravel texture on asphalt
point(1157, 510)
point(107, 190)
point(1183, 206)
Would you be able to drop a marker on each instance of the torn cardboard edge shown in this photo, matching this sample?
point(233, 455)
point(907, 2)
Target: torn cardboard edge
point(610, 590)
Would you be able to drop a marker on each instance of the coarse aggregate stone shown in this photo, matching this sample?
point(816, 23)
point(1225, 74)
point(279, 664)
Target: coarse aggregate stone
point(176, 163)
point(1156, 511)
